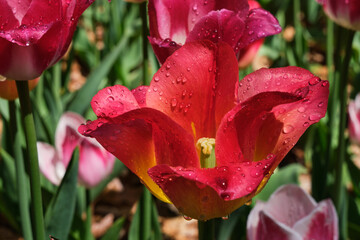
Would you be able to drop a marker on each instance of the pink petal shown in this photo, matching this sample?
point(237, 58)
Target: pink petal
point(252, 223)
point(95, 164)
point(218, 26)
point(321, 223)
point(140, 95)
point(259, 24)
point(50, 165)
point(9, 19)
point(66, 136)
point(289, 204)
point(270, 228)
point(113, 101)
point(354, 119)
point(240, 130)
point(232, 185)
point(195, 86)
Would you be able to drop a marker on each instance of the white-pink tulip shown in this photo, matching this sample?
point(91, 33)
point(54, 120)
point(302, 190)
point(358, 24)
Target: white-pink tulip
point(95, 163)
point(292, 214)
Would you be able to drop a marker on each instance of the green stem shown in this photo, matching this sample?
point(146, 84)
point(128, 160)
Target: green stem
point(88, 234)
point(299, 32)
point(143, 14)
point(32, 158)
point(22, 187)
point(146, 207)
point(206, 229)
point(343, 110)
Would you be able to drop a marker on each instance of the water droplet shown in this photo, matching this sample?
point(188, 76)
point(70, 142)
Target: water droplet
point(314, 81)
point(167, 74)
point(255, 173)
point(306, 124)
point(168, 66)
point(187, 218)
point(156, 79)
point(287, 129)
point(314, 116)
point(320, 104)
point(301, 109)
point(249, 189)
point(225, 217)
point(173, 102)
point(222, 183)
point(110, 98)
point(248, 203)
point(109, 91)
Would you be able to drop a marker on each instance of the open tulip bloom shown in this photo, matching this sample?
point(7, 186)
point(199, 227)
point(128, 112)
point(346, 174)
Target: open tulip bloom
point(293, 214)
point(344, 12)
point(95, 163)
point(199, 138)
point(35, 34)
point(174, 23)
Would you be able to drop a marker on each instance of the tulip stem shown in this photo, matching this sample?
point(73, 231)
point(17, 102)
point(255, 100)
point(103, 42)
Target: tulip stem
point(144, 42)
point(88, 234)
point(22, 187)
point(343, 94)
point(146, 205)
point(206, 229)
point(298, 32)
point(32, 158)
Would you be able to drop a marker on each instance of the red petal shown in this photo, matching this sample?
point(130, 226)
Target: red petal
point(239, 132)
point(322, 223)
point(163, 48)
point(195, 86)
point(291, 119)
point(218, 26)
point(157, 135)
point(232, 185)
point(113, 101)
point(140, 95)
point(259, 24)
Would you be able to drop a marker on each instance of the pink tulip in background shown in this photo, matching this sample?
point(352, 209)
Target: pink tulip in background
point(354, 119)
point(344, 12)
point(173, 22)
point(291, 213)
point(95, 163)
point(35, 34)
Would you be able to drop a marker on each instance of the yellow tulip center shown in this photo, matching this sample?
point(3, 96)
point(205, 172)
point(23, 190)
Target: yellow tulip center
point(206, 147)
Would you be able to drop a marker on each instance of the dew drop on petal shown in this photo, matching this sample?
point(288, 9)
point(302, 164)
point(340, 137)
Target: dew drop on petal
point(187, 218)
point(287, 129)
point(225, 217)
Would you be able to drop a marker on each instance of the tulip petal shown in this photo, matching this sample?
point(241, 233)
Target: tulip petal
point(195, 86)
point(113, 101)
point(289, 204)
point(322, 223)
point(295, 117)
point(239, 132)
point(253, 220)
point(259, 24)
point(94, 163)
point(50, 165)
point(140, 95)
point(12, 13)
point(66, 136)
point(218, 191)
point(219, 26)
point(163, 48)
point(159, 139)
point(269, 228)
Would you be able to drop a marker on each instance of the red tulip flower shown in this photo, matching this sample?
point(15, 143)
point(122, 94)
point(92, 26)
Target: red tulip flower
point(354, 119)
point(197, 137)
point(8, 88)
point(95, 163)
point(344, 12)
point(35, 34)
point(291, 213)
point(172, 23)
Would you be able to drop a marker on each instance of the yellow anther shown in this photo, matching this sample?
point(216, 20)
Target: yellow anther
point(206, 145)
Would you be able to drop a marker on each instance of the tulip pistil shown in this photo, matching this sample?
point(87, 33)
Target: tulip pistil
point(206, 147)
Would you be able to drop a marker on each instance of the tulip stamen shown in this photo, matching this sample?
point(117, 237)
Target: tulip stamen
point(206, 146)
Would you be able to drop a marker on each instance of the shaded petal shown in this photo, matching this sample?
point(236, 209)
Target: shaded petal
point(289, 204)
point(95, 163)
point(218, 26)
point(270, 228)
point(259, 24)
point(295, 117)
point(140, 95)
point(252, 223)
point(239, 131)
point(136, 137)
point(66, 135)
point(354, 119)
point(113, 101)
point(50, 165)
point(321, 223)
point(247, 54)
point(195, 86)
point(9, 19)
point(163, 48)
point(210, 192)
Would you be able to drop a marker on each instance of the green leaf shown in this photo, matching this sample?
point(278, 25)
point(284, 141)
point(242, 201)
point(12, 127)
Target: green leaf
point(81, 101)
point(286, 175)
point(113, 232)
point(134, 231)
point(59, 215)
